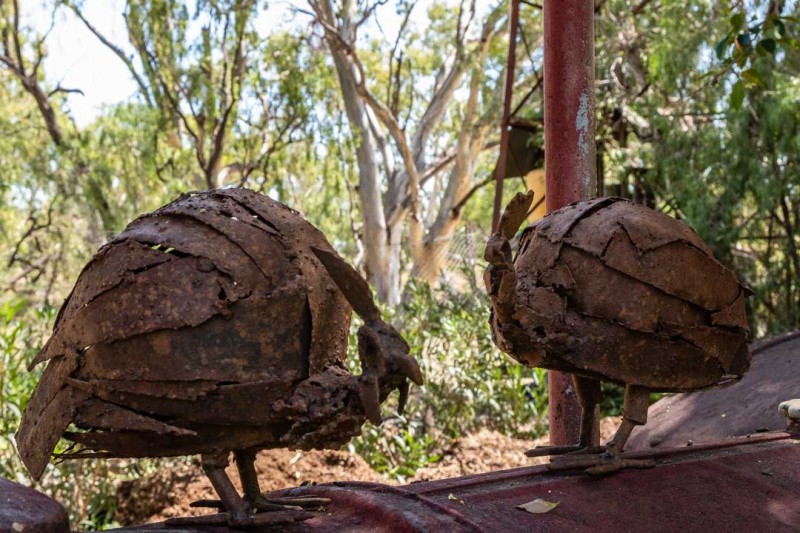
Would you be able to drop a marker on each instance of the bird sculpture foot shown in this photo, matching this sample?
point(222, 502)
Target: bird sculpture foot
point(266, 503)
point(290, 503)
point(240, 520)
point(597, 464)
point(572, 449)
point(264, 510)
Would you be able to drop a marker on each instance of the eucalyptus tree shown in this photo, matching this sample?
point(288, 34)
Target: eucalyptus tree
point(215, 104)
point(195, 84)
point(224, 110)
point(423, 104)
point(42, 162)
point(377, 119)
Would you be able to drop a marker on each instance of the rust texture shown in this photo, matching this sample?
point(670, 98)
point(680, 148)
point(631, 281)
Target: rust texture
point(570, 159)
point(569, 120)
point(608, 290)
point(217, 323)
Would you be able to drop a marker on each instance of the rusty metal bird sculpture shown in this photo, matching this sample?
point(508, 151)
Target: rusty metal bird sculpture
point(613, 291)
point(216, 324)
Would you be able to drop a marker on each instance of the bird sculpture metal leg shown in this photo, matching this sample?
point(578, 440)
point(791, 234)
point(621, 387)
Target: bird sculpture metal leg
point(588, 392)
point(634, 413)
point(242, 512)
point(237, 509)
point(245, 463)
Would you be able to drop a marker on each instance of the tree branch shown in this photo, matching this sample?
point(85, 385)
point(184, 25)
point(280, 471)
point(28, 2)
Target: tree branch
point(116, 50)
point(60, 89)
point(456, 210)
point(393, 54)
point(231, 95)
point(444, 93)
point(384, 114)
point(15, 62)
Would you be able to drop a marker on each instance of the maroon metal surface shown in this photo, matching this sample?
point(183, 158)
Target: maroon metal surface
point(748, 406)
point(569, 150)
point(742, 485)
point(569, 101)
point(23, 509)
point(502, 161)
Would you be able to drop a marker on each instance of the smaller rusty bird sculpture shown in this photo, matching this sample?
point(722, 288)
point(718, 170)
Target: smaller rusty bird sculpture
point(609, 290)
point(215, 324)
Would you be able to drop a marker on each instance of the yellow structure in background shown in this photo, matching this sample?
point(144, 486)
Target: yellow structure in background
point(535, 182)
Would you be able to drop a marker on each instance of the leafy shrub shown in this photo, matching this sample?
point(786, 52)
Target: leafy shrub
point(469, 383)
point(86, 488)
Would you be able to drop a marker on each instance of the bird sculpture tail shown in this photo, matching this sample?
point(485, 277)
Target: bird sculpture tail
point(49, 411)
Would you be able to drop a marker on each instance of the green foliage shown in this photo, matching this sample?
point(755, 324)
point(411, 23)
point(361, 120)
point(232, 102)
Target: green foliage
point(86, 488)
point(697, 113)
point(699, 119)
point(469, 383)
point(15, 380)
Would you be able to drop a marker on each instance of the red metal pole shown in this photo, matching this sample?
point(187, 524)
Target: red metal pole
point(570, 171)
point(511, 63)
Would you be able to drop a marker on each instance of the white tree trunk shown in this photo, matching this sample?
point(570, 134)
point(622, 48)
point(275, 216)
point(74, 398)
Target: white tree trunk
point(387, 217)
point(381, 260)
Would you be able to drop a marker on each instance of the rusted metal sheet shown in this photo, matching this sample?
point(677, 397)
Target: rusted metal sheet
point(741, 485)
point(745, 407)
point(569, 150)
point(25, 510)
point(108, 269)
point(613, 291)
point(237, 348)
point(217, 323)
point(198, 239)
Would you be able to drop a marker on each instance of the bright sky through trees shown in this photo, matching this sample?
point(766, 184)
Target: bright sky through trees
point(78, 60)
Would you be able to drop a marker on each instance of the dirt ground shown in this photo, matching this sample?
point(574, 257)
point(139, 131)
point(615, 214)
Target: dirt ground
point(169, 492)
point(488, 450)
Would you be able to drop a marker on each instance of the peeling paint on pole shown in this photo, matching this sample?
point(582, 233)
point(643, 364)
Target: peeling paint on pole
point(585, 130)
point(582, 125)
point(570, 165)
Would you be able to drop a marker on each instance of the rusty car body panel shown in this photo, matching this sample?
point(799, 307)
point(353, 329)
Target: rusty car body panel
point(738, 485)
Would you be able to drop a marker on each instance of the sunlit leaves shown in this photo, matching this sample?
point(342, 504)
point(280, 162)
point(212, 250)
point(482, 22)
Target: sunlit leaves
point(737, 95)
point(749, 51)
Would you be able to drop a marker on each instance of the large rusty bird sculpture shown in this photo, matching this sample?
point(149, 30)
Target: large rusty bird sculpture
point(608, 290)
point(216, 324)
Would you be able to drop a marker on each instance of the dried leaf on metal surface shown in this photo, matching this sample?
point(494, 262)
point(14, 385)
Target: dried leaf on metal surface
point(453, 498)
point(538, 506)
